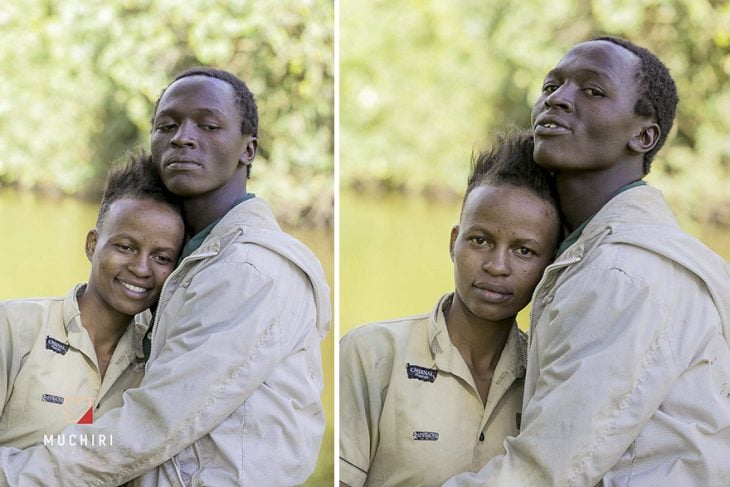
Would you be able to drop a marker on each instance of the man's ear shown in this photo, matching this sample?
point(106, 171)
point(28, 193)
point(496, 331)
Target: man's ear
point(249, 151)
point(91, 243)
point(646, 139)
point(454, 234)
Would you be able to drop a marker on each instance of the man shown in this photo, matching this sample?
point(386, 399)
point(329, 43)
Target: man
point(231, 394)
point(628, 379)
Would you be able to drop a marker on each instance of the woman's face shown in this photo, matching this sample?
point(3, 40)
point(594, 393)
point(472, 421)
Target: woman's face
point(506, 238)
point(132, 252)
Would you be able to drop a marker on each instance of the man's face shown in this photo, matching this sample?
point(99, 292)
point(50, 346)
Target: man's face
point(132, 253)
point(506, 238)
point(197, 141)
point(584, 118)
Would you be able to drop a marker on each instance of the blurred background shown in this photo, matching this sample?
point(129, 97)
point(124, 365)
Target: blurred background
point(423, 83)
point(79, 81)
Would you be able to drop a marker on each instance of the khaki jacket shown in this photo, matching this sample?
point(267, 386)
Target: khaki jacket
point(628, 375)
point(232, 390)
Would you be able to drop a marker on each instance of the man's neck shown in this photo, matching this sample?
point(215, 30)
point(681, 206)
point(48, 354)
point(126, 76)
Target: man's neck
point(583, 194)
point(203, 210)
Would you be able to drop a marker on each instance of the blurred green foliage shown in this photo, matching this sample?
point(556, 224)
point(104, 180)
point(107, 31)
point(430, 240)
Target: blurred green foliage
point(424, 83)
point(80, 77)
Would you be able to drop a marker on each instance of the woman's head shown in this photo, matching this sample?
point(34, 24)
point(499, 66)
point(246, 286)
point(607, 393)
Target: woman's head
point(137, 238)
point(508, 230)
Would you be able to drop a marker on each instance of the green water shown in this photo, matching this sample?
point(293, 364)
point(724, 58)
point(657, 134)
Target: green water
point(394, 256)
point(42, 248)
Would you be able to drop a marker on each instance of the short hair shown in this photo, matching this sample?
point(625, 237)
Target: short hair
point(134, 176)
point(244, 98)
point(657, 92)
point(510, 161)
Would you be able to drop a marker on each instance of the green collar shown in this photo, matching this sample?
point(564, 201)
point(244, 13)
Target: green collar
point(194, 243)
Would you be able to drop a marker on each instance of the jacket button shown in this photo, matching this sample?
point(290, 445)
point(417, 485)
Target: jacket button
point(481, 436)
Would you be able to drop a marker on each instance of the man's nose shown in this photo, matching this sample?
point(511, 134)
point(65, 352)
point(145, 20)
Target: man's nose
point(561, 98)
point(184, 135)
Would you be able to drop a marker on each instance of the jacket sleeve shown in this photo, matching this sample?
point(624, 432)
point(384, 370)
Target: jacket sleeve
point(227, 337)
point(604, 362)
point(361, 394)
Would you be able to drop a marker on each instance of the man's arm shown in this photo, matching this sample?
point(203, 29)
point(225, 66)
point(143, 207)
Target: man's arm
point(605, 363)
point(211, 363)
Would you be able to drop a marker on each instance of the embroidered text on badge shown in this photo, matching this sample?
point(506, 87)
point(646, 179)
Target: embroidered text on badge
point(425, 435)
point(56, 346)
point(421, 373)
point(52, 398)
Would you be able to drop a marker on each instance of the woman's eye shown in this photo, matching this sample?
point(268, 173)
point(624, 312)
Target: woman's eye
point(162, 259)
point(524, 251)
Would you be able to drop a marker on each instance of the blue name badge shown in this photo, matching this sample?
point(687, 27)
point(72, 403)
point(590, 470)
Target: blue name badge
point(55, 346)
point(421, 373)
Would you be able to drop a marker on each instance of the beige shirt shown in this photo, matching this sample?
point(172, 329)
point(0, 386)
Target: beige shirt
point(49, 376)
point(410, 413)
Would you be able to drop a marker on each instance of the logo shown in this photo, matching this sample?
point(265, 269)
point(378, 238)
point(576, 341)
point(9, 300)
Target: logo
point(421, 373)
point(79, 410)
point(55, 346)
point(76, 410)
point(425, 435)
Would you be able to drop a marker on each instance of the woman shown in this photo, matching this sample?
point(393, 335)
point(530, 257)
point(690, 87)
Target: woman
point(69, 359)
point(426, 397)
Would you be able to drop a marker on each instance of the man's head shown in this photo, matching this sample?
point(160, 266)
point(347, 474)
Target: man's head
point(136, 241)
point(507, 233)
point(657, 92)
point(242, 95)
point(600, 109)
point(204, 135)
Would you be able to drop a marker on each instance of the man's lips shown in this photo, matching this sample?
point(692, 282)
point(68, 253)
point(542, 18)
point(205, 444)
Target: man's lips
point(550, 125)
point(182, 164)
point(494, 293)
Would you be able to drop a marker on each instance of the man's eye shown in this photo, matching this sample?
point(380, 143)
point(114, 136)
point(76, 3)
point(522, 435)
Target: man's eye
point(593, 92)
point(165, 127)
point(210, 128)
point(124, 247)
point(478, 240)
point(549, 88)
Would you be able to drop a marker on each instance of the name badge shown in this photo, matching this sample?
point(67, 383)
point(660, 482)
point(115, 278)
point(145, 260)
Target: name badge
point(421, 373)
point(55, 346)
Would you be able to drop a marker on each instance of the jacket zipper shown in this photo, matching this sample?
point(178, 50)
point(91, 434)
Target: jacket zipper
point(187, 259)
point(554, 267)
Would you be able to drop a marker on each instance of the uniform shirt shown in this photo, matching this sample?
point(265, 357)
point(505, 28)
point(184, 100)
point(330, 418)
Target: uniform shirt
point(49, 377)
point(410, 413)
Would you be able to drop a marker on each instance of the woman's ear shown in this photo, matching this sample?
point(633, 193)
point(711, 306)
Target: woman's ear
point(91, 243)
point(646, 139)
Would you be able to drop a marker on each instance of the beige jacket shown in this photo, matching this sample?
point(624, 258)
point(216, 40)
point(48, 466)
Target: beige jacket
point(628, 374)
point(232, 394)
point(49, 377)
